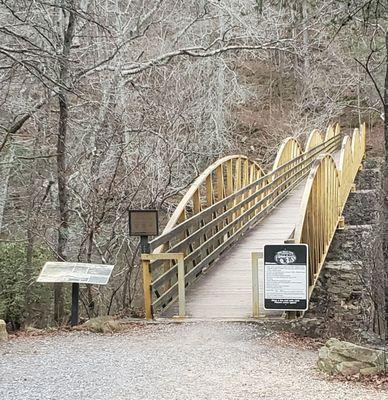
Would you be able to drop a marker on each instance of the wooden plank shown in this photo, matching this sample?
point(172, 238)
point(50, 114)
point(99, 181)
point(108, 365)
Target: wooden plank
point(225, 291)
point(277, 175)
point(225, 235)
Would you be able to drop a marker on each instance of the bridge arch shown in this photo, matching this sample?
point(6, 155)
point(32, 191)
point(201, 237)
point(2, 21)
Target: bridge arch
point(332, 131)
point(288, 150)
point(232, 195)
point(345, 168)
point(222, 178)
point(319, 212)
point(315, 138)
point(327, 189)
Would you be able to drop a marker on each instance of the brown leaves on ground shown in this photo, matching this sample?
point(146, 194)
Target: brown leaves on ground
point(378, 381)
point(118, 327)
point(289, 339)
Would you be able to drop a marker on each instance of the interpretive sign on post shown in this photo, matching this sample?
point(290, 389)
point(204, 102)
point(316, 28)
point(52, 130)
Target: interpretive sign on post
point(72, 272)
point(143, 223)
point(75, 273)
point(286, 277)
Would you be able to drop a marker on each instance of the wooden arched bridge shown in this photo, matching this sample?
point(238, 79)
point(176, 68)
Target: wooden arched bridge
point(203, 256)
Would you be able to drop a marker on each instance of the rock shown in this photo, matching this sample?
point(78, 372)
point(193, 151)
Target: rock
point(363, 207)
point(350, 367)
point(350, 295)
point(369, 179)
point(103, 325)
point(373, 162)
point(339, 357)
point(3, 331)
point(310, 327)
point(348, 239)
point(355, 352)
point(34, 331)
point(369, 371)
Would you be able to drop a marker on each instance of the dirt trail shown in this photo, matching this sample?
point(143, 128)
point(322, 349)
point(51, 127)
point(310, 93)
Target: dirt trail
point(177, 361)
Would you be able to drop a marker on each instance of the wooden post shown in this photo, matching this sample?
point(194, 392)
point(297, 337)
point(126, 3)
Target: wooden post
point(147, 280)
point(147, 288)
point(255, 256)
point(181, 287)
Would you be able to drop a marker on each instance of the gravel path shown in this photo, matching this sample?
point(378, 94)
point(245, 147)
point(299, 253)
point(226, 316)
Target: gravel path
point(178, 361)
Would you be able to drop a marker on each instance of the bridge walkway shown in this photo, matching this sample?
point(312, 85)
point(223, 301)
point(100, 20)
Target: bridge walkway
point(224, 291)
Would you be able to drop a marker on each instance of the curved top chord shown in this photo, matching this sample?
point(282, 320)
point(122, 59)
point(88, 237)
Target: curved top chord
point(224, 202)
point(220, 179)
point(325, 194)
point(289, 149)
point(315, 138)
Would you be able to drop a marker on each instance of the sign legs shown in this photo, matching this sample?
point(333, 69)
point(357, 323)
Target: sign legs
point(74, 303)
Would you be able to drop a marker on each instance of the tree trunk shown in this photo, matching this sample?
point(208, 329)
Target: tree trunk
point(28, 277)
point(61, 161)
point(385, 178)
point(5, 173)
point(306, 38)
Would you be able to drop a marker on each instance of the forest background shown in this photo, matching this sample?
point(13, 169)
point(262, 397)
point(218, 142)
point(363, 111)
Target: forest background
point(110, 105)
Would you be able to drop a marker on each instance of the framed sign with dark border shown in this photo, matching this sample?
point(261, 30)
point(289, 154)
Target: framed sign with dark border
point(143, 223)
point(286, 277)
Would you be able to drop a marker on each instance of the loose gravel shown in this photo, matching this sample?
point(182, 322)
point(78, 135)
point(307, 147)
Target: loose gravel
point(177, 361)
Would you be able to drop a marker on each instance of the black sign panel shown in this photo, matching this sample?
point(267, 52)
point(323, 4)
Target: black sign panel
point(143, 223)
point(286, 277)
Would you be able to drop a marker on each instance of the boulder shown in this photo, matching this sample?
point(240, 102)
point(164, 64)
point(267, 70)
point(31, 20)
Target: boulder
point(102, 325)
point(3, 331)
point(339, 357)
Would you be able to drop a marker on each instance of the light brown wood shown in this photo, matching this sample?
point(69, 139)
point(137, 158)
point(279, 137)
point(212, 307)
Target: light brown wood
point(225, 290)
point(314, 139)
point(327, 189)
point(289, 149)
point(238, 196)
point(147, 288)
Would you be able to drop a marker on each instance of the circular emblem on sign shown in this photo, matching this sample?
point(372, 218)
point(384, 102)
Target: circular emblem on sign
point(285, 257)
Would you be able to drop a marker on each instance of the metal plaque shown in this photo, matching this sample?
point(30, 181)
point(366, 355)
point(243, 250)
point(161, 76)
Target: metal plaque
point(71, 272)
point(286, 277)
point(143, 223)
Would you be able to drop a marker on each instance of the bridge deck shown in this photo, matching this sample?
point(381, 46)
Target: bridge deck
point(225, 290)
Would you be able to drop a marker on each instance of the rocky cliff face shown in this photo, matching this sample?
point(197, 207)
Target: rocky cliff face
point(349, 299)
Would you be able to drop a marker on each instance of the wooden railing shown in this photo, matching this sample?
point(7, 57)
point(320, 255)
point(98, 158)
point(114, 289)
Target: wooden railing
point(326, 192)
point(231, 196)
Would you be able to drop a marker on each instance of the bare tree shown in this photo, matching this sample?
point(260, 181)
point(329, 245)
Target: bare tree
point(112, 105)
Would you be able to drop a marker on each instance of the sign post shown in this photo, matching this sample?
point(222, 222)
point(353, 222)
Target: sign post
point(74, 303)
point(145, 223)
point(286, 277)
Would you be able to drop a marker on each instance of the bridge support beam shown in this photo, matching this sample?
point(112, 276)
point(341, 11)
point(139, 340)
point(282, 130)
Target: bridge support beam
point(181, 287)
point(146, 265)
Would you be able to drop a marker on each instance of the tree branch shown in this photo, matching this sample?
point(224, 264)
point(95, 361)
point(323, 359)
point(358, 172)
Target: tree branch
point(367, 70)
point(199, 52)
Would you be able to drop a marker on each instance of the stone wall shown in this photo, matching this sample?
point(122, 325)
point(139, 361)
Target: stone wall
point(349, 299)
